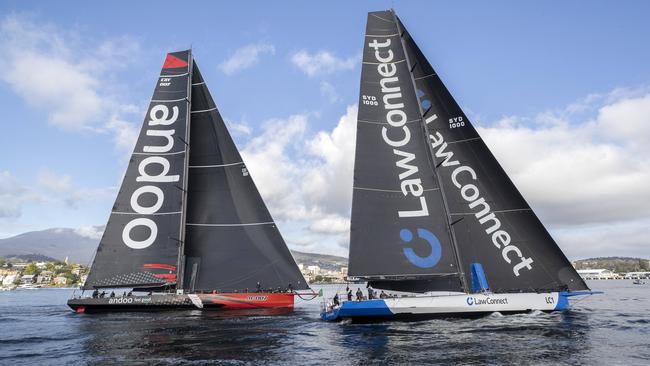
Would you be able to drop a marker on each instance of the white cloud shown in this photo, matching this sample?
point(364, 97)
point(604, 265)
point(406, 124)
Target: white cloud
point(92, 232)
point(245, 57)
point(328, 90)
point(306, 179)
point(322, 62)
point(66, 76)
point(54, 182)
point(13, 196)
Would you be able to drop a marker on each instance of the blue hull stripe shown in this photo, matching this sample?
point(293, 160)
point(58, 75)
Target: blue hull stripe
point(358, 309)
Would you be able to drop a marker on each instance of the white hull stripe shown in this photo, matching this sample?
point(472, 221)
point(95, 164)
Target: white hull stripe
point(249, 224)
point(215, 166)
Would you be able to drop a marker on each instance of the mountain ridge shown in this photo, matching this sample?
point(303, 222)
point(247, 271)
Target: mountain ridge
point(79, 246)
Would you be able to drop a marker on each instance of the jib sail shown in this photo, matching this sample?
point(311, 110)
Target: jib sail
point(231, 242)
point(491, 222)
point(140, 245)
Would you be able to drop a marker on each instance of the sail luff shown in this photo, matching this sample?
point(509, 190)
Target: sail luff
point(431, 155)
point(181, 244)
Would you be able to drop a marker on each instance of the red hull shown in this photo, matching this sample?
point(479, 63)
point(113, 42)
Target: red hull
point(247, 300)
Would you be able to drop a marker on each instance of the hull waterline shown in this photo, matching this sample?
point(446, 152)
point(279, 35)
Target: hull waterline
point(162, 302)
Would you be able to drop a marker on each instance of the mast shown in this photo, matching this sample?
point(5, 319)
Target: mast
point(180, 277)
point(432, 157)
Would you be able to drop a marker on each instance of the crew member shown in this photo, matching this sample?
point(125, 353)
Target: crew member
point(359, 294)
point(349, 294)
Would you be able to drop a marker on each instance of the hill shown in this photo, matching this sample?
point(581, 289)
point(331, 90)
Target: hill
point(80, 245)
point(616, 264)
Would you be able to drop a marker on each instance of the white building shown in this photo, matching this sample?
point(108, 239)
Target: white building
point(9, 279)
point(597, 274)
point(637, 275)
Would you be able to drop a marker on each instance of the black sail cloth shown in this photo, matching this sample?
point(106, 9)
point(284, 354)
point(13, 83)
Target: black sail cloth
point(140, 244)
point(231, 241)
point(398, 230)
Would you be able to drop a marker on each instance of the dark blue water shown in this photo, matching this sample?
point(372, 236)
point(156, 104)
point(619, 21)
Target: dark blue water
point(36, 328)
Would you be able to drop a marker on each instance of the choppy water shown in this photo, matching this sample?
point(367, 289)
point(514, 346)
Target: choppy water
point(36, 328)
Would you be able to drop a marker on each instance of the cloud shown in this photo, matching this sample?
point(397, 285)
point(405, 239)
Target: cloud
point(306, 179)
point(322, 62)
point(575, 171)
point(92, 232)
point(53, 182)
point(13, 196)
point(66, 76)
point(328, 90)
point(245, 57)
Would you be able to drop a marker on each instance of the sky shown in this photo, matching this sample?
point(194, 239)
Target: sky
point(560, 91)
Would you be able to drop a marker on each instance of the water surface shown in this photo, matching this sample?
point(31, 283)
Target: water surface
point(38, 329)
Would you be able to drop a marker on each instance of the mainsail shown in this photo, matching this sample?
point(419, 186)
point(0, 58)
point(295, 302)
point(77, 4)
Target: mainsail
point(232, 242)
point(140, 245)
point(398, 231)
point(487, 219)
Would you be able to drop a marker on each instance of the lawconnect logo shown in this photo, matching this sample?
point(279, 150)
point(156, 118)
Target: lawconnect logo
point(486, 301)
point(423, 262)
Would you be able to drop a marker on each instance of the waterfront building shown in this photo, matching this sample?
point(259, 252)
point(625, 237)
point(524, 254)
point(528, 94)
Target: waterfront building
point(597, 274)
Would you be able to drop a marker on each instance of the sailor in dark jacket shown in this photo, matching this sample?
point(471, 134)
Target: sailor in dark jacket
point(349, 295)
point(359, 294)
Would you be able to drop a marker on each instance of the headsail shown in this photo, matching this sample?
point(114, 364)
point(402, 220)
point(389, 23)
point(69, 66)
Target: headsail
point(398, 229)
point(140, 245)
point(231, 239)
point(492, 223)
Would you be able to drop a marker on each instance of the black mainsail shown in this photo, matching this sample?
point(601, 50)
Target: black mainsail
point(474, 210)
point(232, 241)
point(140, 245)
point(188, 215)
point(398, 231)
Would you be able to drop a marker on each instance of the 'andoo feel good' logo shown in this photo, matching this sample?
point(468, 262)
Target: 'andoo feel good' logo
point(397, 135)
point(158, 116)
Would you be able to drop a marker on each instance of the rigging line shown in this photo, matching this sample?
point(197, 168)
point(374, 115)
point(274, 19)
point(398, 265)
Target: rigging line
point(201, 83)
point(215, 166)
point(220, 225)
point(204, 110)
